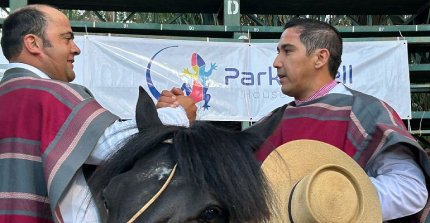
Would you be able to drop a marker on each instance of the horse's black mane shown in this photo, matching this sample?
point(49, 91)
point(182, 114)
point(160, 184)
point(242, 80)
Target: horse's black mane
point(214, 159)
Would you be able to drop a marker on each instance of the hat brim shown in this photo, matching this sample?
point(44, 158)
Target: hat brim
point(292, 161)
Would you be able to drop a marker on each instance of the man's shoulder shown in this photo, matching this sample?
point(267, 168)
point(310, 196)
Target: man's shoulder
point(73, 90)
point(35, 85)
point(274, 114)
point(266, 125)
point(81, 89)
point(23, 74)
point(360, 99)
point(363, 96)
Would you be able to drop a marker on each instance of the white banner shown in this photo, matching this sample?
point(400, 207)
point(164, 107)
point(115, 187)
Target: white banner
point(230, 81)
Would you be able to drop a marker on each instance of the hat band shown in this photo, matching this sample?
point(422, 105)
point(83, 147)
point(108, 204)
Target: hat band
point(290, 216)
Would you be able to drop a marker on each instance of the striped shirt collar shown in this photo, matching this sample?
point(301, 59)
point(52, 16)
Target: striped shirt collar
point(321, 92)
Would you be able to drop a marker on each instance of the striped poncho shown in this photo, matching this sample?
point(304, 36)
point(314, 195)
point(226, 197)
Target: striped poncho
point(48, 129)
point(360, 125)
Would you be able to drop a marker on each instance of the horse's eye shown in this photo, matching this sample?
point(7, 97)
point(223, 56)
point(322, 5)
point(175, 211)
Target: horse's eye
point(106, 207)
point(210, 214)
point(105, 204)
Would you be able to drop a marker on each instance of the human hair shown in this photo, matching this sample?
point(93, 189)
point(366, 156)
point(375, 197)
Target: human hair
point(315, 34)
point(26, 20)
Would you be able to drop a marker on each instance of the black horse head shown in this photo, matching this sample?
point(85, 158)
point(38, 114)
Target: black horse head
point(217, 178)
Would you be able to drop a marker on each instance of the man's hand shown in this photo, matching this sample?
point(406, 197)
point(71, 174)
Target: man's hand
point(169, 98)
point(176, 97)
point(189, 105)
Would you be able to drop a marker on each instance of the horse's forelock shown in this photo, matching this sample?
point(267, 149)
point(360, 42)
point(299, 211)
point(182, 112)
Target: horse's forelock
point(215, 160)
point(223, 163)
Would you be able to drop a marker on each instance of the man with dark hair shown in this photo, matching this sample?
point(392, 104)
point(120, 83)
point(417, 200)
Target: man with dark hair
point(364, 127)
point(49, 127)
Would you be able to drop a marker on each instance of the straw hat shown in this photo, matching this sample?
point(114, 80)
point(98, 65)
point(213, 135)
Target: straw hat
point(316, 182)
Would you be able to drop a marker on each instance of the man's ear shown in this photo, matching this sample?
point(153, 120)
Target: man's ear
point(32, 44)
point(322, 57)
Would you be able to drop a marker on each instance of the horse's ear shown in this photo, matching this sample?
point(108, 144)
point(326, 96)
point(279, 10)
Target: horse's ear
point(146, 112)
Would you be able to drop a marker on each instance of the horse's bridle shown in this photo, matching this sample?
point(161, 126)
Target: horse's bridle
point(135, 216)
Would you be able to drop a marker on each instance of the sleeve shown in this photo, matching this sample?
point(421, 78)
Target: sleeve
point(399, 181)
point(173, 116)
point(115, 135)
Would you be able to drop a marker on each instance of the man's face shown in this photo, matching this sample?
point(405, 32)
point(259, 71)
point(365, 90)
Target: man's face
point(295, 68)
point(59, 48)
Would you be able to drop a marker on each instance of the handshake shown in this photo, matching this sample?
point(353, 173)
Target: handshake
point(174, 98)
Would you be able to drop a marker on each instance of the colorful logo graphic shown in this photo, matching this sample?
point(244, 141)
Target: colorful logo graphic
point(199, 75)
point(200, 80)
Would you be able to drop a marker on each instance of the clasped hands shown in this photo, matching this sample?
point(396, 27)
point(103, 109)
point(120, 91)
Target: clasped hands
point(176, 97)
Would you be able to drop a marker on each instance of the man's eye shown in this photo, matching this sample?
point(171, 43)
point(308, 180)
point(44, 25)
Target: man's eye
point(68, 37)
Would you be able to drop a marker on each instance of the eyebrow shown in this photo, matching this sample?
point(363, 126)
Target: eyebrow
point(283, 46)
point(68, 34)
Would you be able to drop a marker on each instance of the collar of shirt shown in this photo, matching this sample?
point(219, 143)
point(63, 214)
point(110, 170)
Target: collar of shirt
point(321, 92)
point(27, 67)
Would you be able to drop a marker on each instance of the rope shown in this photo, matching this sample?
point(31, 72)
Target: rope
point(135, 216)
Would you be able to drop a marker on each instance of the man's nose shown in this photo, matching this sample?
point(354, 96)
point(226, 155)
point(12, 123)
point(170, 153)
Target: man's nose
point(75, 49)
point(276, 62)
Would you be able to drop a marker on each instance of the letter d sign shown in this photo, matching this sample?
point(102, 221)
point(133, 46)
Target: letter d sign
point(232, 7)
